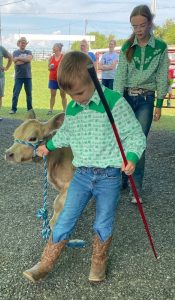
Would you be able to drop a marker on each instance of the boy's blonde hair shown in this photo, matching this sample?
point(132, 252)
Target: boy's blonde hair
point(73, 67)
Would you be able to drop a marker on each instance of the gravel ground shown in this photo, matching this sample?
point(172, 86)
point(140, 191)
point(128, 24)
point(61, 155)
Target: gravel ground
point(133, 272)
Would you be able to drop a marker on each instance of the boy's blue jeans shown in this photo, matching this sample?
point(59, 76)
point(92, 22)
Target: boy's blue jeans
point(104, 186)
point(143, 107)
point(17, 89)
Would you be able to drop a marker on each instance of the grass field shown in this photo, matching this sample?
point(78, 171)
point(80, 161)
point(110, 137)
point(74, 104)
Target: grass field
point(41, 97)
point(40, 93)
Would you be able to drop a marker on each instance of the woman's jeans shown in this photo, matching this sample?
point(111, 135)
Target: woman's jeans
point(17, 89)
point(143, 107)
point(108, 83)
point(102, 184)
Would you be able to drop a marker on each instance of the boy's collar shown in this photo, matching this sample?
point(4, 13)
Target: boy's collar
point(95, 98)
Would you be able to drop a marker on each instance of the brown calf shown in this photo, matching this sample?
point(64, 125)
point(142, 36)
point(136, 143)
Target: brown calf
point(59, 162)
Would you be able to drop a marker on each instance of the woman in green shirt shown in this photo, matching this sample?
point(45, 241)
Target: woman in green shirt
point(142, 71)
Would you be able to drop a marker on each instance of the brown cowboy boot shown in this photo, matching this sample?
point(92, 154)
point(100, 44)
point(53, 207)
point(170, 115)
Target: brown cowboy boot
point(99, 259)
point(48, 259)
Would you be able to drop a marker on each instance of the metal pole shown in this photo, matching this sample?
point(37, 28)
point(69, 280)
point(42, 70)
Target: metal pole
point(85, 27)
point(153, 6)
point(69, 36)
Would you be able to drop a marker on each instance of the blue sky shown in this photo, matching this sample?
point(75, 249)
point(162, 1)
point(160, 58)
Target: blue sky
point(73, 17)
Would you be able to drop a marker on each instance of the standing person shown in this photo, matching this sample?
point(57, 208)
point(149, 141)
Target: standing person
point(108, 65)
point(170, 86)
point(3, 54)
point(22, 60)
point(142, 71)
point(87, 130)
point(84, 47)
point(53, 66)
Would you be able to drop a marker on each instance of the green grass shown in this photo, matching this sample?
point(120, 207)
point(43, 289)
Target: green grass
point(41, 96)
point(41, 93)
point(166, 123)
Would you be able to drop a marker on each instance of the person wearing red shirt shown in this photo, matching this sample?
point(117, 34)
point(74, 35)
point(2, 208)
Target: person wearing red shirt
point(53, 65)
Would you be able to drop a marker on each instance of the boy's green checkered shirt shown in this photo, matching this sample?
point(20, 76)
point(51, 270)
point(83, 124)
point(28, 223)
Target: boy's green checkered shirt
point(148, 68)
point(87, 130)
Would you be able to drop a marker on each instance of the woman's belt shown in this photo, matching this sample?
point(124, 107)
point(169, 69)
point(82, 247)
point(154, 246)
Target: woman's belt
point(137, 91)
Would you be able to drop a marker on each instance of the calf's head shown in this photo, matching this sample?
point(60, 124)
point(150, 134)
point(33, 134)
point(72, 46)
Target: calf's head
point(32, 131)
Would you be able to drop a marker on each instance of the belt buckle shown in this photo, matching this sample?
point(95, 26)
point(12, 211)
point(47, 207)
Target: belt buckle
point(132, 92)
point(140, 91)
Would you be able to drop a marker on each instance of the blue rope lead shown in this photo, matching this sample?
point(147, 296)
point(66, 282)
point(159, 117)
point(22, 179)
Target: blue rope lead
point(42, 213)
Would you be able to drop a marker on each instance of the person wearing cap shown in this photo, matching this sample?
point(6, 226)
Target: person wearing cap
point(22, 61)
point(3, 54)
point(53, 66)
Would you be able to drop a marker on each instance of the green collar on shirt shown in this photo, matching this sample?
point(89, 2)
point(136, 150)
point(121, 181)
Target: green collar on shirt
point(94, 103)
point(157, 45)
point(151, 42)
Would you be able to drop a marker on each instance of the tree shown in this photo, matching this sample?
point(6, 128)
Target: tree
point(101, 41)
point(166, 32)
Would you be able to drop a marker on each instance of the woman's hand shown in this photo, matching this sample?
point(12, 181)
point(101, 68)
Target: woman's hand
point(157, 113)
point(129, 169)
point(42, 150)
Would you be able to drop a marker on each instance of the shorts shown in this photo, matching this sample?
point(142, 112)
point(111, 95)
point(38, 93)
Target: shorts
point(2, 84)
point(53, 85)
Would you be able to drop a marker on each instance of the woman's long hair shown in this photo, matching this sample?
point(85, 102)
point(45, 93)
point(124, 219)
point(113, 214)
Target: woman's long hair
point(144, 11)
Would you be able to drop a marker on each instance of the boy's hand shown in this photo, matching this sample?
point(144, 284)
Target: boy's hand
point(129, 169)
point(42, 150)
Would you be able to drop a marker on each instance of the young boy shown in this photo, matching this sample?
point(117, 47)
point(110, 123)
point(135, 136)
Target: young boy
point(97, 159)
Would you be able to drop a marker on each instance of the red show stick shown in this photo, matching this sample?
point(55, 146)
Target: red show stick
point(95, 80)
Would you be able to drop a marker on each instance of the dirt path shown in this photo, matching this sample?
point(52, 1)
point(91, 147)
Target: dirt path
point(133, 273)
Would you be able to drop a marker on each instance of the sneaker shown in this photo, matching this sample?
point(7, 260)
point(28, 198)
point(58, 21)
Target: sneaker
point(1, 119)
point(12, 112)
point(50, 112)
point(133, 200)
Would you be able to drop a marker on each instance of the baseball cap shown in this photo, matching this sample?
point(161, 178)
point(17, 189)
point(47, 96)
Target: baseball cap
point(23, 39)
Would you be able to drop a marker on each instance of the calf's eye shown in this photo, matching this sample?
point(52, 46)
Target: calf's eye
point(32, 139)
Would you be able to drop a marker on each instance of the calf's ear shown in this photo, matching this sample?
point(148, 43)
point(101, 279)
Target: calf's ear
point(54, 123)
point(30, 114)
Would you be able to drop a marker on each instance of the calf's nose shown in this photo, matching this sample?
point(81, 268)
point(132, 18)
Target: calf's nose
point(9, 155)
